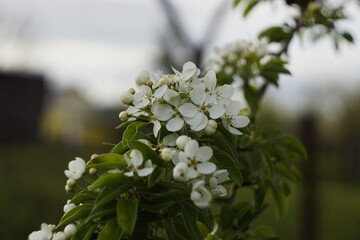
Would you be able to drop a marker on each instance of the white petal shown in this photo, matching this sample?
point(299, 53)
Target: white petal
point(225, 91)
point(210, 98)
point(195, 196)
point(204, 154)
point(216, 111)
point(220, 191)
point(170, 140)
point(143, 103)
point(162, 112)
point(188, 110)
point(157, 127)
point(213, 182)
point(160, 91)
point(136, 157)
point(234, 131)
point(198, 96)
point(191, 148)
point(192, 173)
point(240, 121)
point(202, 124)
point(210, 80)
point(145, 89)
point(172, 97)
point(194, 121)
point(175, 124)
point(206, 167)
point(179, 157)
point(129, 174)
point(189, 70)
point(145, 171)
point(198, 184)
point(234, 108)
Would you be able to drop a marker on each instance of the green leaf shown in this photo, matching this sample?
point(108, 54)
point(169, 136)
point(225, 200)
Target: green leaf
point(85, 232)
point(126, 212)
point(74, 214)
point(232, 165)
point(250, 6)
point(259, 196)
point(132, 130)
point(104, 210)
point(276, 34)
point(155, 176)
point(348, 37)
point(124, 124)
point(158, 205)
point(147, 152)
point(109, 193)
point(252, 98)
point(171, 231)
point(111, 230)
point(110, 179)
point(293, 144)
point(236, 2)
point(107, 161)
point(119, 148)
point(265, 232)
point(83, 196)
point(280, 200)
point(190, 218)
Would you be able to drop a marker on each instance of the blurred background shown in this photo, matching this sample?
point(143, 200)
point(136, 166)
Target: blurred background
point(63, 65)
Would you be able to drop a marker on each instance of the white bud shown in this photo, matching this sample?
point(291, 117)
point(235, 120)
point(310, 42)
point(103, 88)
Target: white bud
point(52, 227)
point(131, 91)
point(142, 78)
point(166, 154)
point(126, 98)
point(92, 171)
point(212, 123)
point(209, 130)
point(180, 172)
point(182, 141)
point(149, 83)
point(59, 236)
point(71, 182)
point(123, 116)
point(94, 156)
point(164, 81)
point(69, 206)
point(70, 230)
point(68, 188)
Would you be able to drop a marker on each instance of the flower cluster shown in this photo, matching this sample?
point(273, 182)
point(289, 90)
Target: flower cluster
point(46, 233)
point(183, 102)
point(237, 58)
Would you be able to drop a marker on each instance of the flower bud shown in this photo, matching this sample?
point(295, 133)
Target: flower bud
point(123, 116)
point(166, 154)
point(142, 78)
point(149, 83)
point(164, 81)
point(131, 91)
point(69, 206)
point(68, 188)
point(70, 230)
point(52, 227)
point(71, 182)
point(126, 98)
point(212, 123)
point(209, 130)
point(94, 156)
point(92, 171)
point(180, 172)
point(59, 236)
point(182, 141)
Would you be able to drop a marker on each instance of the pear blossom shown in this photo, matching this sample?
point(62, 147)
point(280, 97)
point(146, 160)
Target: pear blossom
point(123, 116)
point(200, 195)
point(216, 179)
point(142, 78)
point(166, 154)
point(135, 161)
point(197, 159)
point(145, 95)
point(211, 127)
point(182, 141)
point(44, 234)
point(180, 172)
point(77, 168)
point(231, 119)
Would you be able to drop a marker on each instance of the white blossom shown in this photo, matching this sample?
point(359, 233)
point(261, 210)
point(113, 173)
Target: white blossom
point(231, 119)
point(180, 172)
point(200, 195)
point(135, 161)
point(126, 98)
point(196, 158)
point(44, 234)
point(77, 168)
point(166, 154)
point(68, 206)
point(216, 179)
point(142, 78)
point(145, 95)
point(59, 236)
point(182, 141)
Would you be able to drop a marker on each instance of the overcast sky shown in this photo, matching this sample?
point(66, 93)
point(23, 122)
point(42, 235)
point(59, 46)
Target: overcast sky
point(99, 46)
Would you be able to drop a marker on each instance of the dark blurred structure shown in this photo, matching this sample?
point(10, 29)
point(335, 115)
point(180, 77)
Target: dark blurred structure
point(21, 101)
